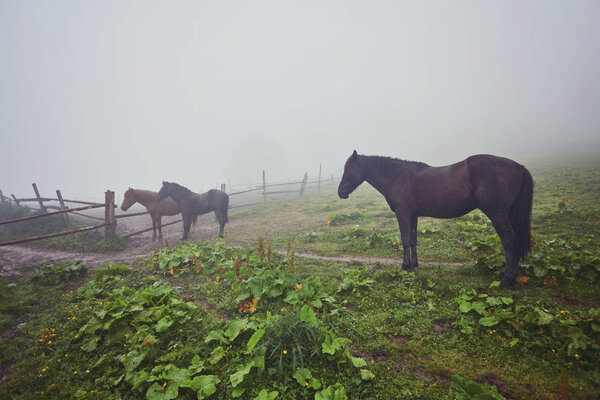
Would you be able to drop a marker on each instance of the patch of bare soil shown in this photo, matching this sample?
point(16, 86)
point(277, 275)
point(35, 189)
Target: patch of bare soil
point(399, 340)
point(444, 325)
point(493, 380)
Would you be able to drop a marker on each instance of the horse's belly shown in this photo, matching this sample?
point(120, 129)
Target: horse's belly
point(446, 213)
point(446, 209)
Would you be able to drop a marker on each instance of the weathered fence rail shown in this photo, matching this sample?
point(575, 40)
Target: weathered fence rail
point(109, 219)
point(149, 229)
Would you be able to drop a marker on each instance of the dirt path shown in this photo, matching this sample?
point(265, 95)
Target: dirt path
point(17, 260)
point(366, 260)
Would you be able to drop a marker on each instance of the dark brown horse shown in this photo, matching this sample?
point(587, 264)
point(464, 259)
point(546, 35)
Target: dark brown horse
point(156, 209)
point(501, 188)
point(193, 204)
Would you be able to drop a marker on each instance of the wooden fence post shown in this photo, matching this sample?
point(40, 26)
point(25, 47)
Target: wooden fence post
point(1, 197)
point(223, 187)
point(39, 198)
point(109, 214)
point(303, 183)
point(15, 199)
point(62, 205)
point(264, 188)
point(319, 186)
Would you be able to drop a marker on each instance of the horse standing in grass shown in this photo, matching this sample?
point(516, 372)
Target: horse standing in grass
point(155, 208)
point(194, 204)
point(501, 188)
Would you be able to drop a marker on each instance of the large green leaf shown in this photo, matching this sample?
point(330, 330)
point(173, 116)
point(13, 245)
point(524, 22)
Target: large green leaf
point(234, 328)
point(203, 385)
point(308, 315)
point(132, 359)
point(159, 392)
point(489, 321)
point(238, 377)
point(216, 355)
point(366, 375)
point(253, 341)
point(463, 389)
point(264, 395)
point(292, 297)
point(304, 377)
point(333, 392)
point(163, 324)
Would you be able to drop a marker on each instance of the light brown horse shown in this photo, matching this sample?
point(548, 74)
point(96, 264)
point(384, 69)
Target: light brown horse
point(155, 208)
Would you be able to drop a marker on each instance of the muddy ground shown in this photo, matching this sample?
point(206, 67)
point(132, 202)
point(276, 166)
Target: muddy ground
point(19, 259)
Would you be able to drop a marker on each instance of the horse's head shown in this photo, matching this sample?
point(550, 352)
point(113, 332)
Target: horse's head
point(353, 176)
point(128, 199)
point(164, 192)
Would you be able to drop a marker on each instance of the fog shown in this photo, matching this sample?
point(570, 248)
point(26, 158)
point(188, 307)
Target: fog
point(98, 95)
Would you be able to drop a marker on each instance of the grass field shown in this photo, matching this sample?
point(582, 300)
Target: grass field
point(240, 319)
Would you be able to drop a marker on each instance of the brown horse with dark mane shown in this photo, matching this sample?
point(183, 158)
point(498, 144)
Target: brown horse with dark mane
point(194, 204)
point(501, 188)
point(155, 208)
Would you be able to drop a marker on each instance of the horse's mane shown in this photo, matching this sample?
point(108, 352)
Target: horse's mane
point(389, 165)
point(181, 188)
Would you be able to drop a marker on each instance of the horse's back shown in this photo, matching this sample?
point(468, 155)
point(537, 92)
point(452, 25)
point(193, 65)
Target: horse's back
point(441, 192)
point(166, 206)
point(496, 181)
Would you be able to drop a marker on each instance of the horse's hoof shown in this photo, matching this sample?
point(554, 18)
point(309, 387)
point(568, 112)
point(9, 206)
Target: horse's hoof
point(407, 267)
point(509, 284)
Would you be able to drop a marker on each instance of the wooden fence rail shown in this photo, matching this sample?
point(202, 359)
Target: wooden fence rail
point(109, 224)
point(10, 221)
point(51, 235)
point(149, 229)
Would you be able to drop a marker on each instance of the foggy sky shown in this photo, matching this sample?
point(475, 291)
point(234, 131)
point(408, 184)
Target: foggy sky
point(98, 95)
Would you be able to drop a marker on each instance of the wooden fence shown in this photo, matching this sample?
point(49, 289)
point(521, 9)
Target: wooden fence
point(110, 219)
point(293, 187)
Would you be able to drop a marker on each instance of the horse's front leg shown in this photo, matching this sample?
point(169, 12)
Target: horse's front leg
point(187, 222)
point(414, 262)
point(153, 225)
point(405, 236)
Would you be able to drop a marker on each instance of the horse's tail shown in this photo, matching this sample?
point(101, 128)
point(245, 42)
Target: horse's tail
point(225, 208)
point(194, 219)
point(520, 216)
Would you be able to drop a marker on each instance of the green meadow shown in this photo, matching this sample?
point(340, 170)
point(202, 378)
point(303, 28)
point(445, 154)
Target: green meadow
point(249, 317)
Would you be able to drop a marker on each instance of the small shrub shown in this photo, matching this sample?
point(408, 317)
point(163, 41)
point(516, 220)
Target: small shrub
point(344, 218)
point(52, 274)
point(289, 343)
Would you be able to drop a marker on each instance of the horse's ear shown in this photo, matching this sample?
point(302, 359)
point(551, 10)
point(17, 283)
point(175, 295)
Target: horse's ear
point(355, 154)
point(165, 182)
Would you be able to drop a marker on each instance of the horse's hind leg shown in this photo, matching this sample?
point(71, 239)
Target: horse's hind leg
point(221, 227)
point(507, 235)
point(221, 220)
